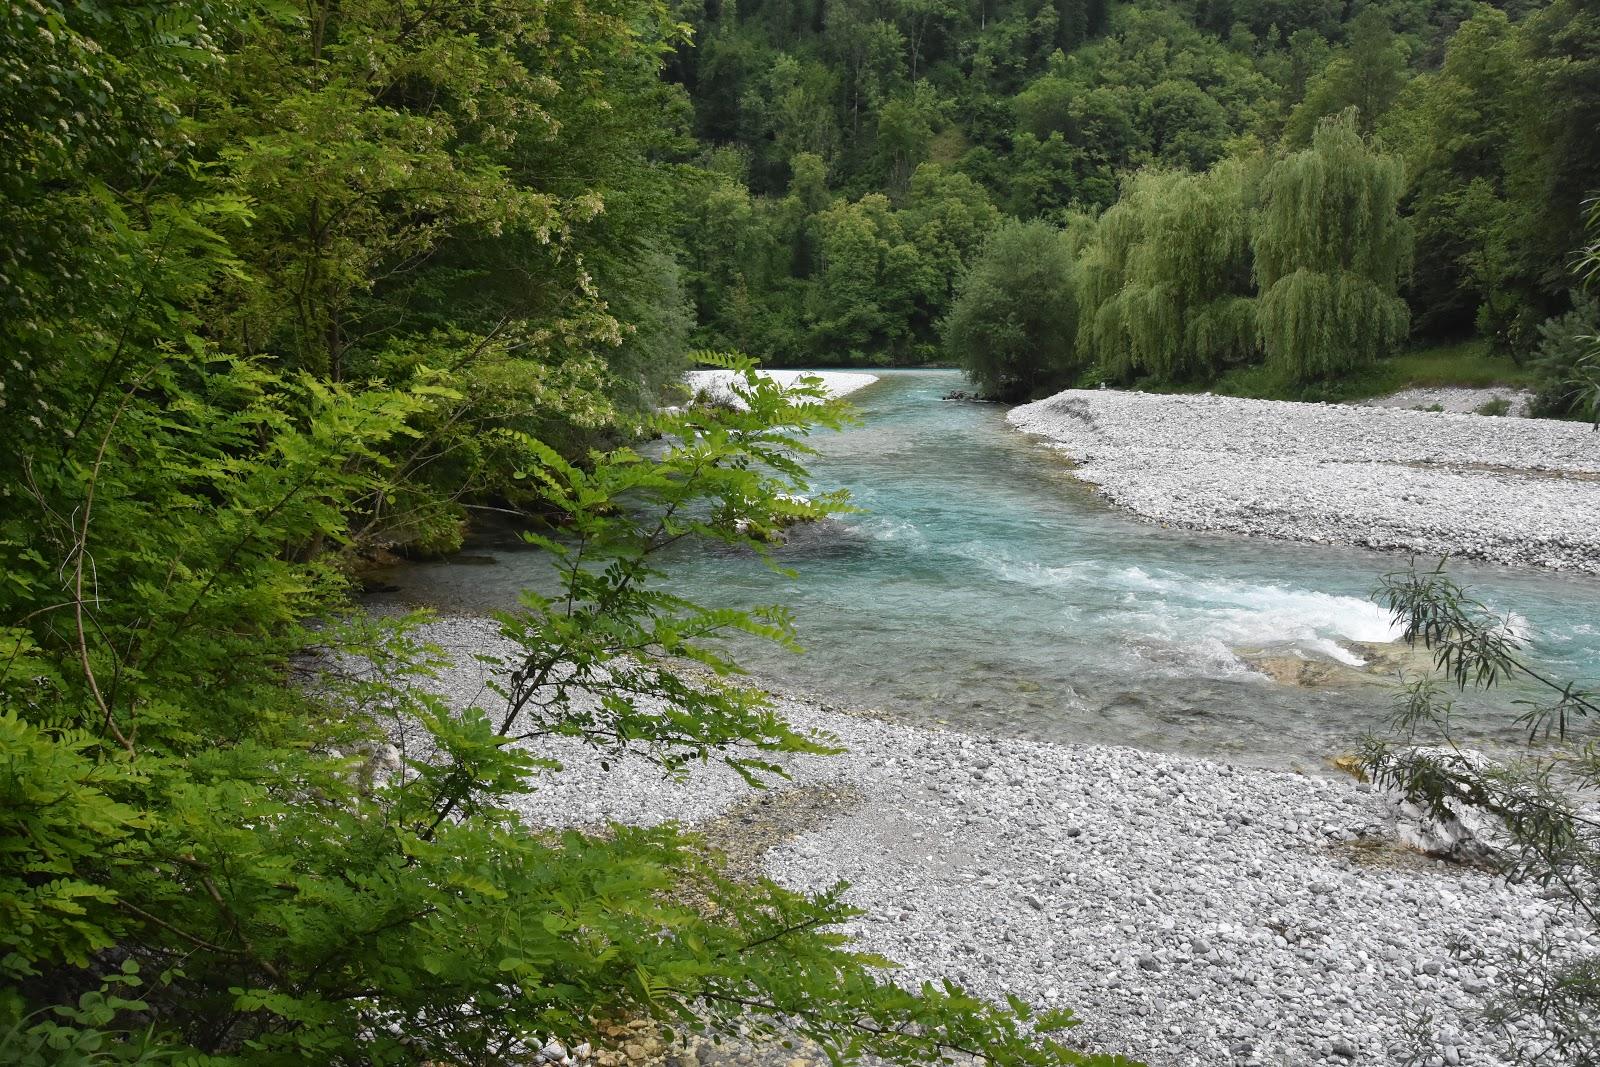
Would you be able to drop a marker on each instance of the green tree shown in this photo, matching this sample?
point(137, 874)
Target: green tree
point(1164, 285)
point(788, 112)
point(1330, 248)
point(1555, 168)
point(926, 26)
point(1456, 129)
point(904, 135)
point(1367, 75)
point(947, 216)
point(1186, 126)
point(869, 285)
point(733, 257)
point(870, 54)
point(1012, 324)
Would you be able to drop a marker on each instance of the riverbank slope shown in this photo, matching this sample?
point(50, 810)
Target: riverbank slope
point(1513, 491)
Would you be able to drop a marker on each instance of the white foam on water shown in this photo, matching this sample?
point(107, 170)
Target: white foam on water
point(1037, 575)
point(1517, 627)
point(883, 529)
point(1202, 621)
point(1268, 611)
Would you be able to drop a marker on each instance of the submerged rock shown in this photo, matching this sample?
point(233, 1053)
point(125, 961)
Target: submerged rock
point(1382, 662)
point(1302, 671)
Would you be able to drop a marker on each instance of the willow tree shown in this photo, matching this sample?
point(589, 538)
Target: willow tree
point(1165, 278)
point(1330, 249)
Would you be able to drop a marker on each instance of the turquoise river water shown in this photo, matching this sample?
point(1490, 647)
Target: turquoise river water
point(984, 587)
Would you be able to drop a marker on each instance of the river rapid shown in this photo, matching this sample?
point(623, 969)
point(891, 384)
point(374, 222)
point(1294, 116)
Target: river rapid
point(983, 586)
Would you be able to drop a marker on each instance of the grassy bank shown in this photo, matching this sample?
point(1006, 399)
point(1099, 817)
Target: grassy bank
point(1468, 364)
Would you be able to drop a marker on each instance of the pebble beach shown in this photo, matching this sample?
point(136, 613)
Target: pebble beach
point(1503, 490)
point(1189, 911)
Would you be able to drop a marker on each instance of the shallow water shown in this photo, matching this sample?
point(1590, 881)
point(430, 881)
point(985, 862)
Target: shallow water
point(985, 587)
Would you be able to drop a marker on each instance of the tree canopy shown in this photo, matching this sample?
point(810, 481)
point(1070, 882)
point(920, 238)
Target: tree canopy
point(291, 290)
point(1055, 112)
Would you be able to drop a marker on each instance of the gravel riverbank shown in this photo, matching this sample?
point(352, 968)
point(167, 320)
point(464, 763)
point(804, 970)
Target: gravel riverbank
point(1458, 399)
point(1515, 491)
point(1190, 912)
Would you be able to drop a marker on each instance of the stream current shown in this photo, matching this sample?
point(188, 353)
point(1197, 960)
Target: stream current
point(985, 587)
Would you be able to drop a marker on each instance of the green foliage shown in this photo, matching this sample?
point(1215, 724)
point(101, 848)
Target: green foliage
point(283, 286)
point(1567, 361)
point(1546, 998)
point(876, 277)
point(1052, 108)
point(1453, 127)
point(1330, 248)
point(1496, 179)
point(1188, 275)
point(1568, 357)
point(1015, 314)
point(1318, 325)
point(59, 813)
point(1368, 75)
point(1165, 278)
point(1566, 346)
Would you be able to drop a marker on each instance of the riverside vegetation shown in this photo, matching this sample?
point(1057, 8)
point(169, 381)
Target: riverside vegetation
point(286, 285)
point(290, 287)
point(889, 174)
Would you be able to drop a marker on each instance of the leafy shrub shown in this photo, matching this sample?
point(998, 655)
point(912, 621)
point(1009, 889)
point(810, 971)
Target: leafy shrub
point(1564, 359)
point(1012, 325)
point(1548, 993)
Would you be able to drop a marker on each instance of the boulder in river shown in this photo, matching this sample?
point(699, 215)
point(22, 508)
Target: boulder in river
point(1379, 662)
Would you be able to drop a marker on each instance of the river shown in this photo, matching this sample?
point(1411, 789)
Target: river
point(984, 587)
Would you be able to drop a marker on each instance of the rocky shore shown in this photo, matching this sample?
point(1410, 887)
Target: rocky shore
point(1189, 911)
point(1514, 491)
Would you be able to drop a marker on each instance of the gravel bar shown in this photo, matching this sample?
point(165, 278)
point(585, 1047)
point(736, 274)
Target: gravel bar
point(1513, 491)
point(1189, 911)
point(1458, 399)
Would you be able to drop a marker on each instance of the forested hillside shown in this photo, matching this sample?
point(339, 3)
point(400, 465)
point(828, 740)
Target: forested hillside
point(858, 155)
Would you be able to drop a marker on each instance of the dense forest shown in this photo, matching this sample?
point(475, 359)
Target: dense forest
point(859, 158)
point(288, 287)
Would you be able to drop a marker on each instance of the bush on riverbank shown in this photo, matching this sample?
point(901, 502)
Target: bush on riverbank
point(1548, 995)
point(1015, 314)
